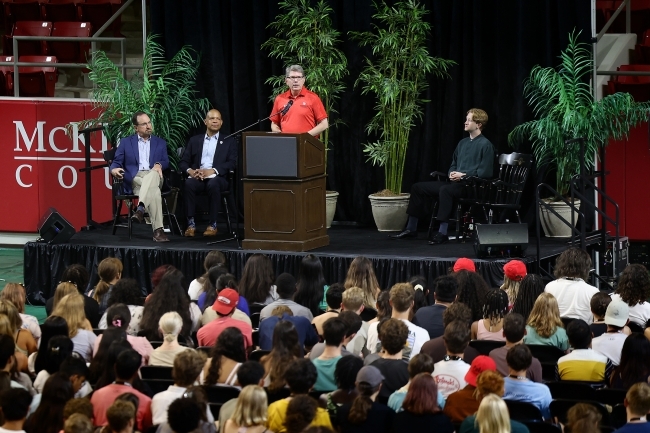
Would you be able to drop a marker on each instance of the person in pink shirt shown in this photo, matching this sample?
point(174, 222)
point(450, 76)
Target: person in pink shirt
point(119, 316)
point(225, 306)
point(126, 370)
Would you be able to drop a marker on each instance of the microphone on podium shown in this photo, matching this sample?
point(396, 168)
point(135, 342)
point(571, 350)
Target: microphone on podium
point(286, 107)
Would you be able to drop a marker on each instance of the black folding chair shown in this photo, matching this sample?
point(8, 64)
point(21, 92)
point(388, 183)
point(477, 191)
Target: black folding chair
point(484, 347)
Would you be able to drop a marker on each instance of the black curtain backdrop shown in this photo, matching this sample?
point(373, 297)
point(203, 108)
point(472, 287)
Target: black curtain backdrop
point(494, 42)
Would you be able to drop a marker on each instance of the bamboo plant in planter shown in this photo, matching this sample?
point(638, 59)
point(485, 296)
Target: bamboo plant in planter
point(306, 37)
point(397, 77)
point(565, 109)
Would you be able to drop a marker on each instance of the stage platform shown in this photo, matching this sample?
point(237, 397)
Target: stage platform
point(394, 260)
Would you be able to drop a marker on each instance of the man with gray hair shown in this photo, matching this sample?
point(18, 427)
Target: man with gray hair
point(308, 115)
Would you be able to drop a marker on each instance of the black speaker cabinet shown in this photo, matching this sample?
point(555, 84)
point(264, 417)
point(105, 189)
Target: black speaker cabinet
point(54, 229)
point(501, 240)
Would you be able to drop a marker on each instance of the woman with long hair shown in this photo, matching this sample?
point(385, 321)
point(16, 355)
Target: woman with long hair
point(421, 298)
point(256, 283)
point(530, 287)
point(227, 356)
point(634, 366)
point(109, 272)
point(311, 287)
point(583, 418)
point(285, 349)
point(48, 417)
point(365, 414)
point(513, 272)
point(421, 411)
point(58, 349)
point(100, 359)
point(472, 290)
point(544, 324)
point(170, 325)
point(212, 259)
point(209, 290)
point(119, 316)
point(361, 273)
point(634, 289)
point(71, 308)
point(345, 375)
point(63, 289)
point(494, 310)
point(170, 295)
point(492, 415)
point(250, 413)
point(383, 307)
point(25, 342)
point(15, 293)
point(126, 291)
point(53, 326)
point(156, 276)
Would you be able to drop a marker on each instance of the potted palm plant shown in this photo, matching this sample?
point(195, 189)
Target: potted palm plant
point(396, 76)
point(565, 109)
point(305, 36)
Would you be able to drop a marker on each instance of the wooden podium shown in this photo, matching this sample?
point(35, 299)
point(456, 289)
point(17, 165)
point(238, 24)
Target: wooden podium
point(284, 192)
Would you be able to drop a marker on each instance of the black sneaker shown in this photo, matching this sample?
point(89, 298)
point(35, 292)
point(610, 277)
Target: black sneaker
point(439, 238)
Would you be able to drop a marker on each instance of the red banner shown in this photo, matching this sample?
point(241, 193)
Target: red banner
point(44, 163)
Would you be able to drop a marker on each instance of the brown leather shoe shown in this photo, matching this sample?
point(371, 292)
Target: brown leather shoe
point(159, 235)
point(138, 217)
point(210, 231)
point(189, 233)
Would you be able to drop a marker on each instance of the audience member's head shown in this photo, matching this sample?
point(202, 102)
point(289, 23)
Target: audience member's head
point(598, 304)
point(384, 309)
point(301, 376)
point(48, 417)
point(361, 273)
point(53, 326)
point(464, 264)
point(369, 380)
point(446, 288)
point(301, 411)
point(251, 409)
point(230, 345)
point(334, 330)
point(401, 297)
point(472, 290)
point(76, 369)
point(352, 322)
point(352, 299)
point(78, 423)
point(126, 291)
point(257, 278)
point(286, 285)
point(250, 373)
point(513, 272)
point(480, 364)
point(14, 293)
point(158, 273)
point(573, 263)
point(127, 365)
point(285, 348)
point(634, 365)
point(492, 415)
point(617, 314)
point(579, 334)
point(489, 382)
point(421, 292)
point(456, 337)
point(519, 358)
point(394, 334)
point(637, 399)
point(545, 316)
point(634, 285)
point(118, 316)
point(529, 289)
point(420, 363)
point(583, 418)
point(187, 367)
point(14, 404)
point(77, 275)
point(170, 325)
point(281, 310)
point(226, 302)
point(334, 296)
point(109, 270)
point(58, 349)
point(310, 284)
point(121, 416)
point(184, 415)
point(214, 258)
point(457, 311)
point(496, 305)
point(81, 406)
point(346, 370)
point(422, 396)
point(514, 328)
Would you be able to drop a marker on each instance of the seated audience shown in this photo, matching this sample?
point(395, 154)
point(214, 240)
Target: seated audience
point(634, 365)
point(9, 366)
point(209, 289)
point(25, 342)
point(518, 387)
point(494, 310)
point(300, 376)
point(435, 347)
point(250, 413)
point(450, 372)
point(311, 288)
point(58, 349)
point(256, 283)
point(250, 373)
point(226, 357)
point(99, 366)
point(169, 325)
point(300, 413)
point(421, 412)
point(212, 259)
point(345, 375)
point(53, 326)
point(529, 289)
point(362, 274)
point(156, 276)
point(611, 342)
point(79, 330)
point(365, 414)
point(582, 363)
point(633, 288)
point(225, 306)
point(514, 331)
point(334, 298)
point(353, 301)
point(224, 281)
point(78, 423)
point(394, 334)
point(184, 416)
point(401, 299)
point(120, 417)
point(186, 371)
point(570, 289)
point(119, 316)
point(430, 318)
point(15, 405)
point(286, 288)
point(15, 293)
point(126, 291)
point(48, 417)
point(598, 304)
point(109, 271)
point(583, 418)
point(334, 332)
point(513, 272)
point(463, 403)
point(126, 370)
point(637, 406)
point(77, 275)
point(421, 298)
point(383, 306)
point(544, 324)
point(78, 406)
point(352, 325)
point(472, 290)
point(285, 349)
point(420, 363)
point(492, 417)
point(307, 336)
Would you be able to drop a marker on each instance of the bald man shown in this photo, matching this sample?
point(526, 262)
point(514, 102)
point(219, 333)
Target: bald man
point(206, 161)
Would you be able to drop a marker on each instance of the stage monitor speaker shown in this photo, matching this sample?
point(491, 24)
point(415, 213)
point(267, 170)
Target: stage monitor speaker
point(501, 240)
point(54, 229)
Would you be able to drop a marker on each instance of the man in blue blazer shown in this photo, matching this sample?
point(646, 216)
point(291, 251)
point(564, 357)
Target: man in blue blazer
point(140, 159)
point(207, 159)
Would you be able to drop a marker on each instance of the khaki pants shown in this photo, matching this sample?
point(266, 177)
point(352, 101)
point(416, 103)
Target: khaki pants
point(147, 184)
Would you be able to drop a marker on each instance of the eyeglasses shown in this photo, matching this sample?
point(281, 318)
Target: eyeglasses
point(144, 123)
point(295, 78)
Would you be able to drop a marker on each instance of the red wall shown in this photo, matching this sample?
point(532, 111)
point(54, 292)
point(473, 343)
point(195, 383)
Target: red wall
point(42, 164)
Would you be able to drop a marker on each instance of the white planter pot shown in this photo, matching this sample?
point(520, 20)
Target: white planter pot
point(552, 225)
point(330, 206)
point(389, 212)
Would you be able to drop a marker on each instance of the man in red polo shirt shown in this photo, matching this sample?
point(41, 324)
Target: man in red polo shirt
point(303, 109)
point(225, 306)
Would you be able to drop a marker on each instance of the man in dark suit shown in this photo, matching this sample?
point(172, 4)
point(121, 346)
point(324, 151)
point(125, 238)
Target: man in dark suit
point(140, 159)
point(207, 160)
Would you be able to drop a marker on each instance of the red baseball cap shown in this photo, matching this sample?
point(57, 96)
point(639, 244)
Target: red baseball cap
point(464, 264)
point(480, 364)
point(227, 301)
point(515, 270)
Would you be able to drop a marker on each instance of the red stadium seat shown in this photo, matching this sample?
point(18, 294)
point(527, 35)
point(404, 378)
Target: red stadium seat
point(29, 28)
point(37, 80)
point(62, 10)
point(6, 76)
point(70, 52)
point(635, 85)
point(21, 10)
point(642, 49)
point(97, 12)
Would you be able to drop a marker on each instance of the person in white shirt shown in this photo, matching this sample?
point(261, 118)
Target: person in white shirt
point(353, 301)
point(15, 405)
point(634, 289)
point(611, 342)
point(212, 259)
point(450, 372)
point(401, 299)
point(573, 294)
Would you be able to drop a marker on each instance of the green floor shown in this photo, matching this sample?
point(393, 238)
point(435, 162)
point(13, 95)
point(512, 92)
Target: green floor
point(11, 271)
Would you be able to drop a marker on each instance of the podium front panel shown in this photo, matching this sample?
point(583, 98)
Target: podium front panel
point(271, 156)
